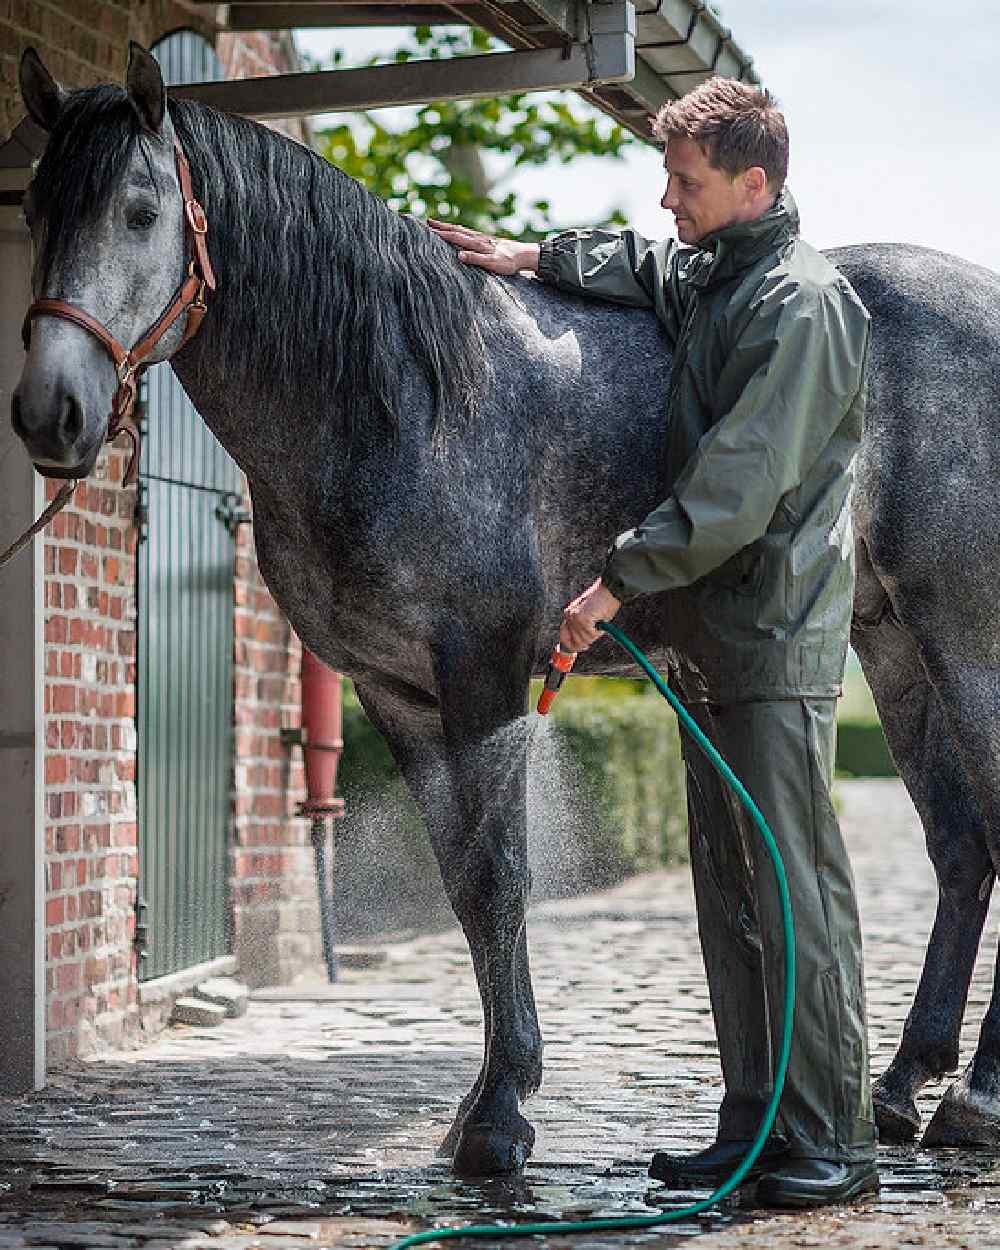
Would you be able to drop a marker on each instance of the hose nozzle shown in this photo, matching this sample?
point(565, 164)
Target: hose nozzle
point(560, 662)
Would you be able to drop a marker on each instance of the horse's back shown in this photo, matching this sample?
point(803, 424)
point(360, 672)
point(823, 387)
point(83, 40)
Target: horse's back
point(929, 465)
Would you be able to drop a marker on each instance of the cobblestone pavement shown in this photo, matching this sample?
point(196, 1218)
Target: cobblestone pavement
point(313, 1120)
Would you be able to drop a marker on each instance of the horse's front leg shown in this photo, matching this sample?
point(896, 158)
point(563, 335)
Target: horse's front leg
point(465, 765)
point(484, 864)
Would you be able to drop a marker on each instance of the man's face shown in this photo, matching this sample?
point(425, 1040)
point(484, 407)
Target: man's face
point(702, 199)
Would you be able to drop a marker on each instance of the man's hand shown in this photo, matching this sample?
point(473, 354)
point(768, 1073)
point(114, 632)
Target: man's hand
point(580, 617)
point(505, 256)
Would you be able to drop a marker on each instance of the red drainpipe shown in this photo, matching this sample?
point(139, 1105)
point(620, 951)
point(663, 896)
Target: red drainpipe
point(322, 742)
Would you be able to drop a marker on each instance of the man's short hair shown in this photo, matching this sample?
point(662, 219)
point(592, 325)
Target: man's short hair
point(735, 125)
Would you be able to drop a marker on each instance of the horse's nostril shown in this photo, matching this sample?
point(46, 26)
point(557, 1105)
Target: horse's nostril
point(16, 416)
point(71, 419)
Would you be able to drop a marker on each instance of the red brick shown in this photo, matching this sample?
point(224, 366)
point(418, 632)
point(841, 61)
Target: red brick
point(95, 970)
point(67, 977)
point(56, 769)
point(62, 698)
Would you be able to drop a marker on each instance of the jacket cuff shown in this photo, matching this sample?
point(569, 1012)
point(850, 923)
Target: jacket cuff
point(548, 265)
point(610, 577)
point(553, 254)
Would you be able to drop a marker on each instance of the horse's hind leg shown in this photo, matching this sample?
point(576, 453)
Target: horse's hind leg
point(925, 753)
point(968, 683)
point(466, 769)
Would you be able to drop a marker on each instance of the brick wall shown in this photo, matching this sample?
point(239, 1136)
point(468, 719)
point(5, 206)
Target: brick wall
point(275, 907)
point(89, 698)
point(83, 41)
point(86, 41)
point(89, 702)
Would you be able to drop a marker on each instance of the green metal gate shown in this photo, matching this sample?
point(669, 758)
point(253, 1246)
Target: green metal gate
point(188, 490)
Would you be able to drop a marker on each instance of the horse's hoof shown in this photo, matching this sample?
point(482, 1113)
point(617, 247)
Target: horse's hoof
point(484, 1150)
point(896, 1122)
point(964, 1118)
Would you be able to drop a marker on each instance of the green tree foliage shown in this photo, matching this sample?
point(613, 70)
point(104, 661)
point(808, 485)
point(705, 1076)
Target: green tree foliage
point(454, 159)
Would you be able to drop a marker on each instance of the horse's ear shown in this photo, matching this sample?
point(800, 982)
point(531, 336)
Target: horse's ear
point(144, 84)
point(42, 95)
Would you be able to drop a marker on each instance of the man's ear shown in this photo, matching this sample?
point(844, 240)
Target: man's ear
point(42, 95)
point(144, 85)
point(758, 179)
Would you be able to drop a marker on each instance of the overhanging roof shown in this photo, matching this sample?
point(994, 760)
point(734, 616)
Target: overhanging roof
point(675, 45)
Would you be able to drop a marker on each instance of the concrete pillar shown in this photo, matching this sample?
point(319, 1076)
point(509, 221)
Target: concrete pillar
point(22, 741)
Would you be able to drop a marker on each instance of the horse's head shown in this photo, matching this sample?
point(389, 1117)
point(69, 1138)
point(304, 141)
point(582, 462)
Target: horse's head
point(107, 221)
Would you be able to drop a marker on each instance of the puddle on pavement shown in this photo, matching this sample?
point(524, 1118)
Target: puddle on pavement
point(48, 1192)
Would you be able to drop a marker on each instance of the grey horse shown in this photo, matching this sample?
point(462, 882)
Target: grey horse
point(437, 461)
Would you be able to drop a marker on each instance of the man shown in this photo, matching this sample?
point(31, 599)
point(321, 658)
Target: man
point(754, 544)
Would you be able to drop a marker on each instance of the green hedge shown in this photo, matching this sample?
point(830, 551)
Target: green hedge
point(861, 745)
point(862, 750)
point(627, 756)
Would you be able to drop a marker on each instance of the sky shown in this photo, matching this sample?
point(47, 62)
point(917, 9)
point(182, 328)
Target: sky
point(892, 109)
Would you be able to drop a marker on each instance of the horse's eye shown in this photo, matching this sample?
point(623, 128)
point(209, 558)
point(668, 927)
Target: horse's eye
point(141, 219)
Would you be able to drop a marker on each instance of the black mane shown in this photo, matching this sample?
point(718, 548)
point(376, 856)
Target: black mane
point(318, 277)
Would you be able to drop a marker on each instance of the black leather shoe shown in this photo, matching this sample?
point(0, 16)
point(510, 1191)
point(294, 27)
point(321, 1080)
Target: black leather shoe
point(716, 1164)
point(815, 1182)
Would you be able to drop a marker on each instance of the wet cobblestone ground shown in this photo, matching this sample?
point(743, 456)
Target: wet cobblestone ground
point(312, 1121)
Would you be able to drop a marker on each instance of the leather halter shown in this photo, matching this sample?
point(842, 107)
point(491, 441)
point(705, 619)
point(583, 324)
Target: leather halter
point(128, 363)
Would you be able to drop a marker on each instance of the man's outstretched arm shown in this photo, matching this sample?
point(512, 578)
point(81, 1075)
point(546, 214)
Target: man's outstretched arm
point(620, 267)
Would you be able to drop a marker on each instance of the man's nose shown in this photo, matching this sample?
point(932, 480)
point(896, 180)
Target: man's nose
point(669, 200)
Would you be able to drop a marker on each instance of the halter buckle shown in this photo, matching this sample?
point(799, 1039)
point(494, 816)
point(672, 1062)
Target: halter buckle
point(196, 217)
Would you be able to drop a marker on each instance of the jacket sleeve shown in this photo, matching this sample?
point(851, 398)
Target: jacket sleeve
point(797, 366)
point(622, 268)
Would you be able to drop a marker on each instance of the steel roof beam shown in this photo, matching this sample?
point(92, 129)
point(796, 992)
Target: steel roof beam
point(249, 16)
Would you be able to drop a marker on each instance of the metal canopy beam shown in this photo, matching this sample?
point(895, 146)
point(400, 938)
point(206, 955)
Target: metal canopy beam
point(608, 56)
point(249, 16)
point(413, 82)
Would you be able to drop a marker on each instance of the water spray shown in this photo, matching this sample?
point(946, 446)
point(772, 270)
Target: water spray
point(559, 665)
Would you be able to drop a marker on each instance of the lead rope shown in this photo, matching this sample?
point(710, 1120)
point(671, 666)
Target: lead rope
point(61, 500)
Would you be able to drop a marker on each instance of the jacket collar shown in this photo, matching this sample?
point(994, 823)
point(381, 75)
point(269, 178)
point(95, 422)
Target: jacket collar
point(729, 251)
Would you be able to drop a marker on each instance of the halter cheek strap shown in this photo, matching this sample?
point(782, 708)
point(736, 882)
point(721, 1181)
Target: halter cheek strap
point(129, 362)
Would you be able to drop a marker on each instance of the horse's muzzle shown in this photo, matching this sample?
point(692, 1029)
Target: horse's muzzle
point(79, 471)
point(55, 432)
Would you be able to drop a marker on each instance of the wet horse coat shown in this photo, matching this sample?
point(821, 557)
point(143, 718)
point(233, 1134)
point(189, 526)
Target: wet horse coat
point(437, 462)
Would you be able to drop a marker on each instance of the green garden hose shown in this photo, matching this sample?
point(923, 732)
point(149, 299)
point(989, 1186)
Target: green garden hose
point(669, 1217)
